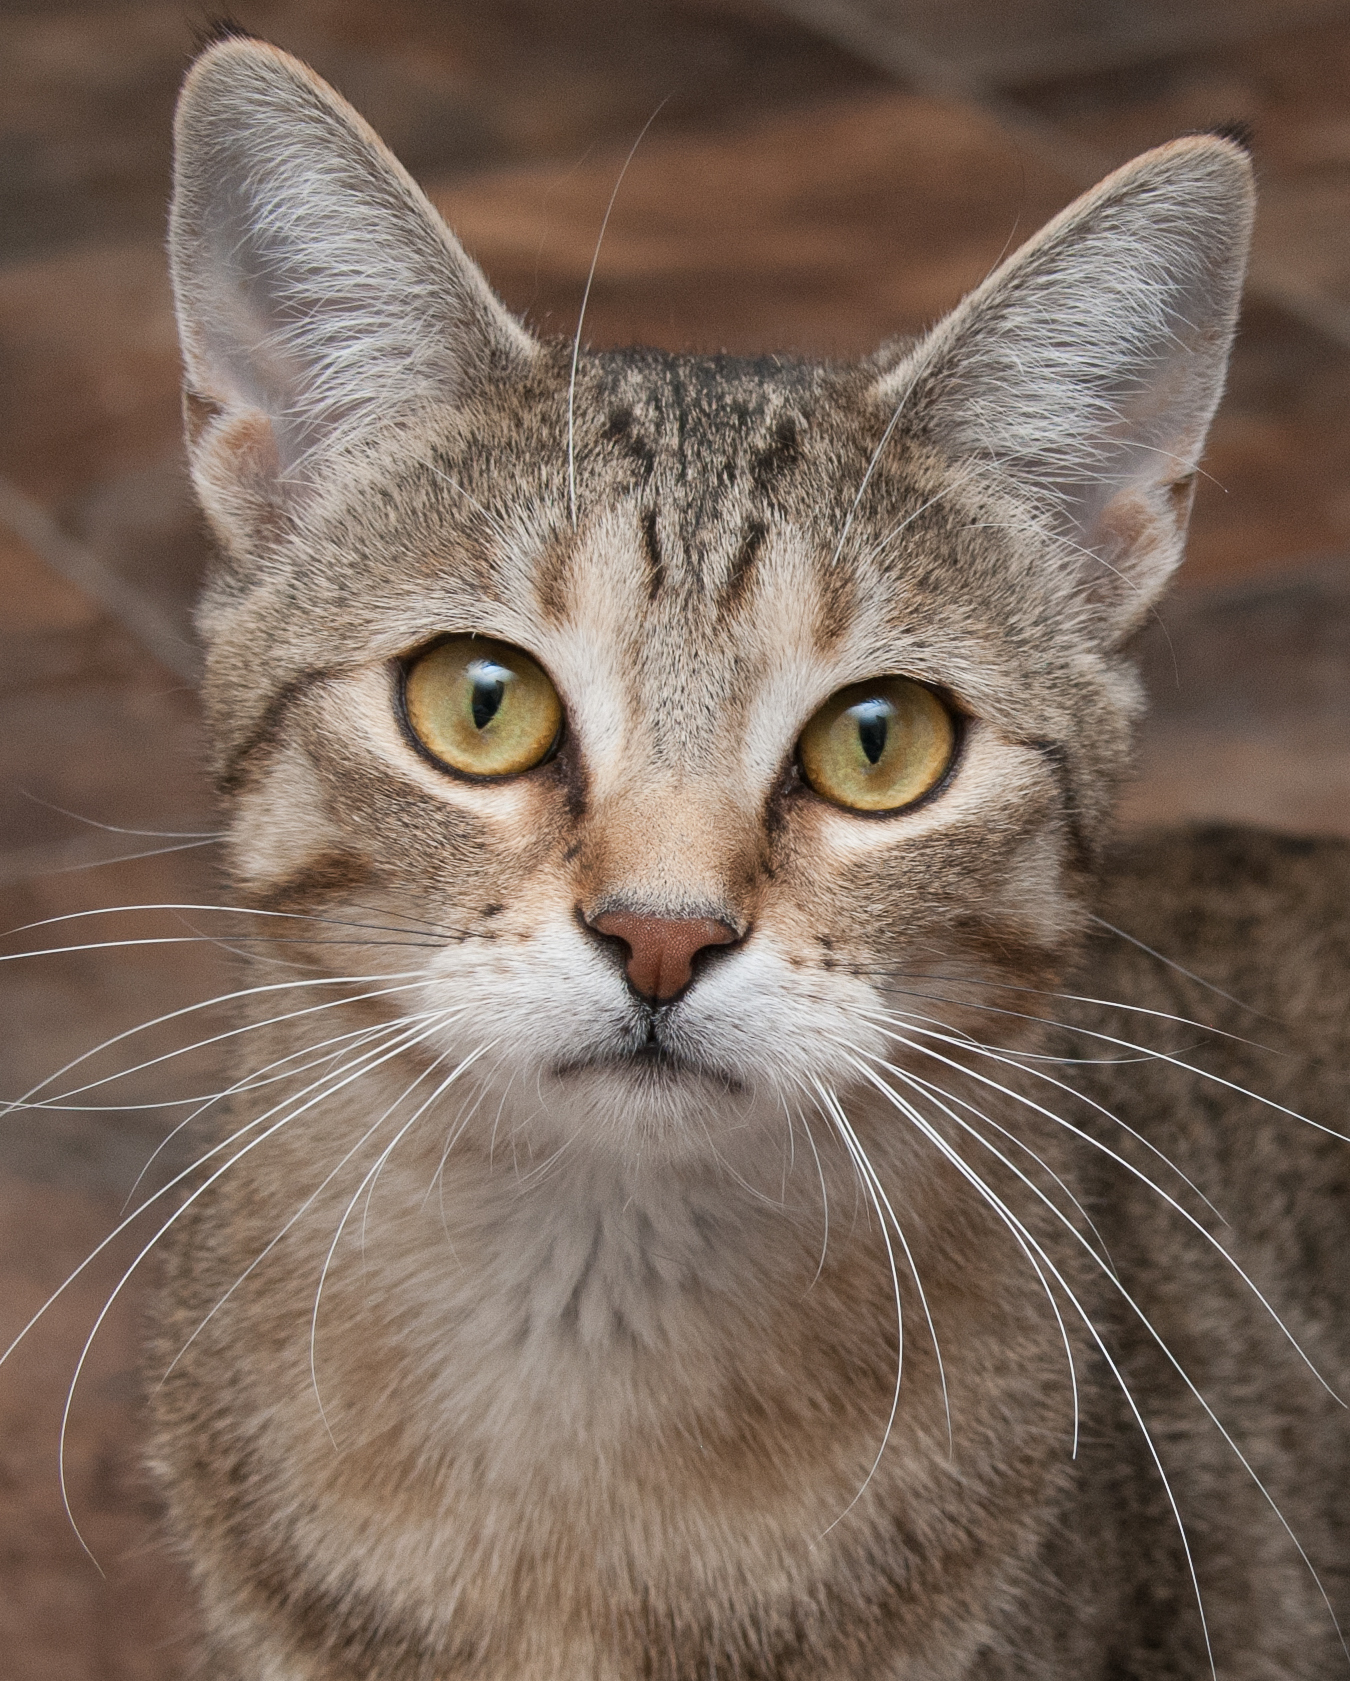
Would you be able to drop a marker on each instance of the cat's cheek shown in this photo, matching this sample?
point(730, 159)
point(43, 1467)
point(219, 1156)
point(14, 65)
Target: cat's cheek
point(281, 826)
point(537, 971)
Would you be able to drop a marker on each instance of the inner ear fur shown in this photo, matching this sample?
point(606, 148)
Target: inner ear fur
point(1082, 376)
point(319, 294)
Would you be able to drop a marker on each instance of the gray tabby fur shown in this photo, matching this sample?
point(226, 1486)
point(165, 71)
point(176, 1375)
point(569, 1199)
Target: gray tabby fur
point(600, 1381)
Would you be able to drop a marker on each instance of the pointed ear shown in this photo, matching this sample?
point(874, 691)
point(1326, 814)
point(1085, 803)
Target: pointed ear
point(318, 292)
point(1083, 374)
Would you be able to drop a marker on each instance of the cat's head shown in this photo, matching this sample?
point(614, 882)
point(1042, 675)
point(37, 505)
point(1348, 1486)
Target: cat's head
point(688, 721)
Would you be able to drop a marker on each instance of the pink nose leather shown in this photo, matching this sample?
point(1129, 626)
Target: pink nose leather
point(661, 949)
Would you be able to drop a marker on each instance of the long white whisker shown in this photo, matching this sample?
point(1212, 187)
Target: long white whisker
point(909, 1262)
point(886, 541)
point(861, 1166)
point(124, 857)
point(1172, 964)
point(407, 985)
point(371, 1173)
point(1167, 1353)
point(254, 1080)
point(117, 828)
point(824, 1199)
point(1014, 1225)
point(385, 1055)
point(1011, 1059)
point(164, 1190)
point(1063, 997)
point(222, 910)
point(581, 317)
point(1018, 1144)
point(444, 1086)
point(441, 1018)
point(1143, 1178)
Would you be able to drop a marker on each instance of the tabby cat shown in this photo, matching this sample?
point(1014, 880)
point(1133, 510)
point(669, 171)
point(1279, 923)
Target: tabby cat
point(726, 1175)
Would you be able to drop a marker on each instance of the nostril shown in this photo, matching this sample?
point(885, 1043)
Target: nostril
point(661, 949)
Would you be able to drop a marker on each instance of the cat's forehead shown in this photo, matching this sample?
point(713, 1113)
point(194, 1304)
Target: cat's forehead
point(698, 535)
point(703, 419)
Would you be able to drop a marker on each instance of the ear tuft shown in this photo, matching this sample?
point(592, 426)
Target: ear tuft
point(1082, 376)
point(217, 29)
point(1239, 130)
point(317, 289)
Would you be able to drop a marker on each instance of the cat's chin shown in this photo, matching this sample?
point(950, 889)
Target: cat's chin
point(652, 1099)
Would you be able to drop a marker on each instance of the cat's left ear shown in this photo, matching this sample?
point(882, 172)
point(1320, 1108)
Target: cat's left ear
point(1084, 373)
point(319, 293)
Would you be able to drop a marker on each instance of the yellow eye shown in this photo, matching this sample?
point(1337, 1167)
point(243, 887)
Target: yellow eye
point(482, 707)
point(878, 746)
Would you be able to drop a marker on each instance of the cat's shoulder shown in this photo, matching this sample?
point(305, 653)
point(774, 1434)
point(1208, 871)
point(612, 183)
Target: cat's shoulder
point(1259, 915)
point(1232, 870)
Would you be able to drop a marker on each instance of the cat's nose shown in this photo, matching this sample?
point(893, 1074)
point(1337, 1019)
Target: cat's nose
point(661, 949)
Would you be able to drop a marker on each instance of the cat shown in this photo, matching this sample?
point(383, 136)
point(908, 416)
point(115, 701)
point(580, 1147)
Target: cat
point(733, 1169)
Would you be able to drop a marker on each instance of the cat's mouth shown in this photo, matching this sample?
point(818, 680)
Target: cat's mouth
point(653, 1063)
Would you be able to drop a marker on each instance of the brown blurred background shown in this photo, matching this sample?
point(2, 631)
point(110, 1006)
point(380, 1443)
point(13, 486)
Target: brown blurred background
point(822, 174)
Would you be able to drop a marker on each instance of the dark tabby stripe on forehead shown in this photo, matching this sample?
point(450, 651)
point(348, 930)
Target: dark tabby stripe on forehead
point(782, 455)
point(741, 574)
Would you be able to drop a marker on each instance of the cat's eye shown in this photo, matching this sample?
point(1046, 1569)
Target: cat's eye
point(482, 707)
point(878, 746)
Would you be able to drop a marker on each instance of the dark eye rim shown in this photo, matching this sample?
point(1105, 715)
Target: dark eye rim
point(961, 721)
point(402, 665)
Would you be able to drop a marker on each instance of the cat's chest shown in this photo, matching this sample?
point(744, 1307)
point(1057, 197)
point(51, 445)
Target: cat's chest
point(512, 1322)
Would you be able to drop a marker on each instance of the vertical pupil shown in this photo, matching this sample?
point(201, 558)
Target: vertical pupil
point(489, 685)
point(873, 719)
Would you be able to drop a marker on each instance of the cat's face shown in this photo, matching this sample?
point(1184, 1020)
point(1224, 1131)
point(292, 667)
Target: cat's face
point(692, 623)
point(697, 554)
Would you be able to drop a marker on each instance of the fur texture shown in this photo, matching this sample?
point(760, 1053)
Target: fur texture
point(828, 1320)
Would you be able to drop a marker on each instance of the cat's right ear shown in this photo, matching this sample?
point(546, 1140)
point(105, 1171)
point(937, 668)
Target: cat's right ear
point(319, 293)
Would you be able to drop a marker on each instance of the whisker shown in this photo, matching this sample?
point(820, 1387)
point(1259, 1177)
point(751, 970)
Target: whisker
point(875, 457)
point(1022, 1145)
point(441, 1018)
point(497, 525)
point(456, 1132)
point(223, 910)
point(824, 1199)
point(1064, 997)
point(445, 1085)
point(885, 542)
point(909, 1261)
point(369, 1178)
point(1013, 1060)
point(117, 828)
point(1168, 1355)
point(1143, 1178)
point(124, 857)
point(1151, 1053)
point(156, 1196)
point(253, 1081)
point(849, 1138)
point(581, 317)
point(1015, 1226)
point(1171, 964)
point(385, 1055)
point(406, 985)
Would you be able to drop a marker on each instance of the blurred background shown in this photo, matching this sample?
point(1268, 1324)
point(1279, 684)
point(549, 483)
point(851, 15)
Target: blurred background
point(823, 174)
